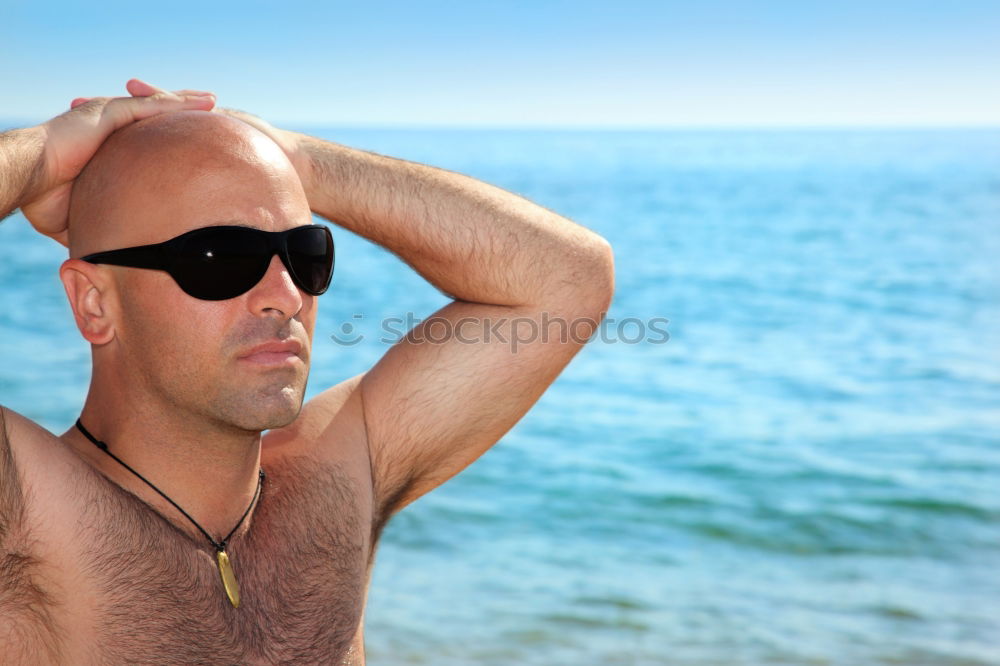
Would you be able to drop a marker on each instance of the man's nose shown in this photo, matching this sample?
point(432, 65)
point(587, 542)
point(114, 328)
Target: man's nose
point(276, 293)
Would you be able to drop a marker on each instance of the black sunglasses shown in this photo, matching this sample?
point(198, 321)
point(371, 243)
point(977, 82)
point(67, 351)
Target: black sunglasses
point(217, 263)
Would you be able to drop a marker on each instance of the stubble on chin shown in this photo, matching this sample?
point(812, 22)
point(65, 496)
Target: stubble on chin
point(272, 403)
point(255, 399)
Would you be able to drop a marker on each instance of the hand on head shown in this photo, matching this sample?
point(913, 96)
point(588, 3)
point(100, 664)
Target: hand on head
point(161, 325)
point(72, 138)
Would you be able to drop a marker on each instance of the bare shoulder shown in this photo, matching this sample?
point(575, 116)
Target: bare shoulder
point(31, 460)
point(27, 626)
point(24, 445)
point(11, 493)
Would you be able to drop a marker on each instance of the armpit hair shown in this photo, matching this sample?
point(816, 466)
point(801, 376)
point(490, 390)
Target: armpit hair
point(27, 628)
point(11, 500)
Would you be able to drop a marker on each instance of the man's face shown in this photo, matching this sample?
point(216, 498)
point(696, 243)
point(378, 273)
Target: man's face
point(191, 354)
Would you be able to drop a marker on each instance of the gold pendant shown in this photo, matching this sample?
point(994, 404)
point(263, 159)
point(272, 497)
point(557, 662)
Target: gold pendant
point(228, 578)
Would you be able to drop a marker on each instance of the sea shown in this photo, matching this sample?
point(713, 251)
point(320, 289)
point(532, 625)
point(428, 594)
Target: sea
point(781, 447)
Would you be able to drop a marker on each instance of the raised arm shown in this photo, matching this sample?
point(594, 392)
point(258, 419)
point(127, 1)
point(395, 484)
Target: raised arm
point(431, 408)
point(475, 242)
point(20, 158)
point(38, 164)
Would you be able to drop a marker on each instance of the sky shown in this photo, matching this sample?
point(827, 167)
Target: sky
point(515, 63)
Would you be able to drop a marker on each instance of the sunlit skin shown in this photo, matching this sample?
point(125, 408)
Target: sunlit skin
point(164, 353)
point(180, 393)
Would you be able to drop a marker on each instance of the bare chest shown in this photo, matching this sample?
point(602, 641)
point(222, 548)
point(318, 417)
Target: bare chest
point(155, 595)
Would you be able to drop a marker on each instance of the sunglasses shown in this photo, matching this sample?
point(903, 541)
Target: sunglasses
point(218, 263)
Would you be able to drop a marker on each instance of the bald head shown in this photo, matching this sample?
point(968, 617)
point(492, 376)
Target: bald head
point(152, 342)
point(141, 170)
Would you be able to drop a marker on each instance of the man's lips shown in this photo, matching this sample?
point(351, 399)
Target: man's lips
point(277, 352)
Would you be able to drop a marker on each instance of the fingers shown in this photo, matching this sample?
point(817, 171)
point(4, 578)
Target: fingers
point(139, 88)
point(143, 107)
point(73, 137)
point(123, 110)
point(188, 99)
point(146, 100)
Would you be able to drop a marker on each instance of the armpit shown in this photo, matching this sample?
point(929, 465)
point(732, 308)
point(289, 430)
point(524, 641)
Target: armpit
point(27, 633)
point(11, 495)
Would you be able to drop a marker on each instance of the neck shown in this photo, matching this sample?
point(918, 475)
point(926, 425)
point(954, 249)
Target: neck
point(210, 470)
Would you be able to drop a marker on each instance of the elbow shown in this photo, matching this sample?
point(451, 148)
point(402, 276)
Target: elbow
point(604, 274)
point(593, 283)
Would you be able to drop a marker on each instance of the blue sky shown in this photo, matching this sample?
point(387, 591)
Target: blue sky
point(517, 63)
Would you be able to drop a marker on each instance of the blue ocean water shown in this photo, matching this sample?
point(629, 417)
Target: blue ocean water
point(806, 472)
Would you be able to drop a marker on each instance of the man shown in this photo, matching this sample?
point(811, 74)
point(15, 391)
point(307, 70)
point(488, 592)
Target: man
point(147, 533)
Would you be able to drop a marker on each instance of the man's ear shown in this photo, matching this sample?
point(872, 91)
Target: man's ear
point(89, 289)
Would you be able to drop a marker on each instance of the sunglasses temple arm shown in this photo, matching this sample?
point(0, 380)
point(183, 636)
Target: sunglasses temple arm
point(144, 256)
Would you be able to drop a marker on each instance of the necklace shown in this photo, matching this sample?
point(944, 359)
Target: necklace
point(222, 559)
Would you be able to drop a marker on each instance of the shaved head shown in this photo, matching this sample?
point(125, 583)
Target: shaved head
point(146, 164)
point(154, 180)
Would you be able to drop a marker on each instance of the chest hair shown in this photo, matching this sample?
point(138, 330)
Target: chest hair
point(302, 567)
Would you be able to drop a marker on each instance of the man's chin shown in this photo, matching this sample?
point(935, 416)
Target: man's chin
point(286, 417)
point(281, 410)
point(267, 410)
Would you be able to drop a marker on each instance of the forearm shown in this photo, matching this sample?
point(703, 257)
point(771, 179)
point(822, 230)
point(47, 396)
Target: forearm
point(20, 162)
point(473, 241)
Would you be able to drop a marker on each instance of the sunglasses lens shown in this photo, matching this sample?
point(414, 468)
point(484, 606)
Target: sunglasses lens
point(218, 264)
point(310, 255)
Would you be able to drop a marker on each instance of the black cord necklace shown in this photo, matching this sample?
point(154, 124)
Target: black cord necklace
point(225, 568)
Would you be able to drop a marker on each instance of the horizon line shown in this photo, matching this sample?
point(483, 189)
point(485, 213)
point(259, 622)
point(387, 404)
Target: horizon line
point(17, 123)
